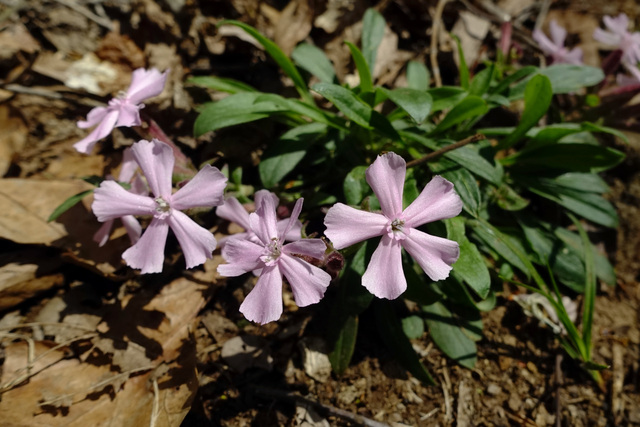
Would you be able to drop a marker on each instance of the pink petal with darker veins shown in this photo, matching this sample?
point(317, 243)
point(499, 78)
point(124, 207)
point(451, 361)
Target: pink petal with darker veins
point(233, 211)
point(156, 160)
point(264, 302)
point(438, 200)
point(434, 254)
point(308, 283)
point(384, 276)
point(146, 84)
point(293, 219)
point(347, 226)
point(197, 242)
point(133, 227)
point(204, 189)
point(148, 254)
point(103, 129)
point(242, 256)
point(263, 220)
point(315, 248)
point(111, 201)
point(386, 178)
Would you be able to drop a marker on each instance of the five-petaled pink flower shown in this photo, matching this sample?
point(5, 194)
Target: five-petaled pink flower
point(131, 224)
point(555, 47)
point(121, 111)
point(232, 210)
point(156, 161)
point(384, 276)
point(619, 37)
point(308, 283)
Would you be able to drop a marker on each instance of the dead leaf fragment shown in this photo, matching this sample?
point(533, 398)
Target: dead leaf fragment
point(13, 137)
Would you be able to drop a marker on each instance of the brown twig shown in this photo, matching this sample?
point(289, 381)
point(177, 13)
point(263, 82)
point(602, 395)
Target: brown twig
point(451, 147)
point(559, 381)
point(296, 398)
point(435, 32)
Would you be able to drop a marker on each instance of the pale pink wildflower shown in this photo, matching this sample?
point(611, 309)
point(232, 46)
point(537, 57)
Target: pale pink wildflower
point(233, 211)
point(121, 111)
point(131, 224)
point(633, 79)
point(384, 276)
point(554, 47)
point(275, 259)
point(156, 161)
point(620, 38)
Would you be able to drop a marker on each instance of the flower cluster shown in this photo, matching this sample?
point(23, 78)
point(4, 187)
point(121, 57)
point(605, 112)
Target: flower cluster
point(619, 37)
point(270, 248)
point(554, 48)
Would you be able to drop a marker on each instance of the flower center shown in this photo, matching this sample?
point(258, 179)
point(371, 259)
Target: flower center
point(163, 208)
point(272, 251)
point(395, 229)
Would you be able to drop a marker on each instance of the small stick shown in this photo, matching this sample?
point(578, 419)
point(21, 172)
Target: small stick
point(435, 32)
point(451, 147)
point(558, 380)
point(296, 398)
point(87, 13)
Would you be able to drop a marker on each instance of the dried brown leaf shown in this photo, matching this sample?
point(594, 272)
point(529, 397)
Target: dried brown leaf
point(13, 137)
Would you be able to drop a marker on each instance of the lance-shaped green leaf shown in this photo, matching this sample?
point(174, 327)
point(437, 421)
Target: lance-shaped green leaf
point(446, 97)
point(313, 60)
point(470, 266)
point(220, 84)
point(446, 332)
point(567, 157)
point(468, 108)
point(537, 98)
point(68, 204)
point(481, 81)
point(415, 103)
point(464, 69)
point(366, 83)
point(465, 184)
point(279, 56)
point(418, 76)
point(373, 24)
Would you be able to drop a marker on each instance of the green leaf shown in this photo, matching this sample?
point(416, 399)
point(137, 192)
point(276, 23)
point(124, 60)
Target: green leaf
point(520, 74)
point(366, 83)
point(418, 76)
point(279, 56)
point(220, 84)
point(564, 78)
point(298, 107)
point(589, 291)
point(465, 184)
point(508, 199)
point(567, 157)
point(233, 110)
point(464, 70)
point(355, 186)
point(68, 204)
point(604, 269)
point(481, 81)
point(373, 24)
point(446, 97)
point(344, 344)
point(446, 332)
point(355, 109)
point(285, 154)
point(415, 103)
point(390, 330)
point(470, 107)
point(501, 244)
point(413, 327)
point(537, 98)
point(313, 60)
point(470, 266)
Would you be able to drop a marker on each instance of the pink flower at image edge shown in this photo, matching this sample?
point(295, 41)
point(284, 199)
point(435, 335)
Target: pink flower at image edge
point(156, 161)
point(619, 37)
point(275, 260)
point(384, 276)
point(123, 111)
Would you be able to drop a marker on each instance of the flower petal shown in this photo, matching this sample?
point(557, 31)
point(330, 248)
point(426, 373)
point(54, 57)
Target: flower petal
point(574, 56)
point(197, 242)
point(146, 84)
point(384, 276)
point(103, 129)
point(95, 116)
point(347, 226)
point(129, 114)
point(111, 201)
point(156, 160)
point(434, 254)
point(308, 283)
point(204, 189)
point(438, 200)
point(133, 227)
point(558, 34)
point(293, 219)
point(233, 211)
point(294, 233)
point(102, 235)
point(127, 167)
point(386, 178)
point(606, 37)
point(315, 248)
point(148, 253)
point(618, 25)
point(242, 256)
point(544, 43)
point(263, 220)
point(264, 302)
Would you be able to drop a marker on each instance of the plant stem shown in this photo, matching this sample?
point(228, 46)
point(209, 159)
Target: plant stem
point(450, 147)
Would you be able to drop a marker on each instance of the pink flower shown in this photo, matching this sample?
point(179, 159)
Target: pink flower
point(620, 38)
point(347, 226)
point(634, 79)
point(156, 160)
point(131, 224)
point(121, 111)
point(555, 47)
point(233, 211)
point(275, 259)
